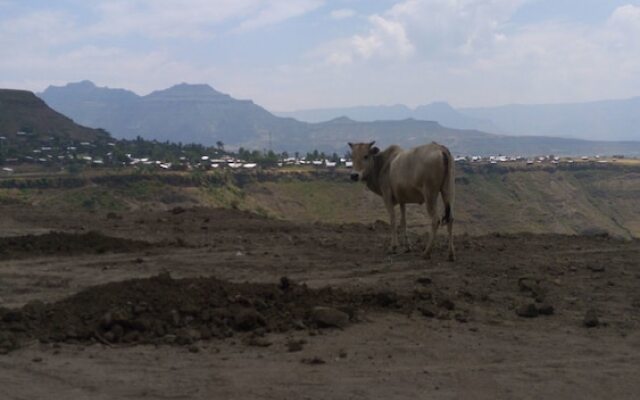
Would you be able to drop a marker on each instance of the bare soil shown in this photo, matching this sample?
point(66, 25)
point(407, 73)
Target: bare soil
point(212, 303)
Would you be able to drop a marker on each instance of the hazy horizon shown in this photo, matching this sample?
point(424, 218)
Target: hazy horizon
point(291, 55)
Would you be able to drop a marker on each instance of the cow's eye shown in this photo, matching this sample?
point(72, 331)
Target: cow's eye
point(366, 157)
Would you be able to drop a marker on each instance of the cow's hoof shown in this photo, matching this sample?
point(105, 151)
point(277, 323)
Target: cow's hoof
point(452, 258)
point(392, 250)
point(407, 249)
point(426, 256)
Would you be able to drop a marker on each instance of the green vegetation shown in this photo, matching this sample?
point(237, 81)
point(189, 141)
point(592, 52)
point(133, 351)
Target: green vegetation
point(487, 200)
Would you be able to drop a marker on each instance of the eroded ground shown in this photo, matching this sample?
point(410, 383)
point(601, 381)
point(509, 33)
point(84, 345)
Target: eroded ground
point(426, 330)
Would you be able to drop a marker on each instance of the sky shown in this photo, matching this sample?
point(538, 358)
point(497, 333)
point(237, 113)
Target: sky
point(296, 54)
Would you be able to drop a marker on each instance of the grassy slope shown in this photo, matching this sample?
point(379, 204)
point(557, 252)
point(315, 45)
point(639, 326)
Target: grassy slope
point(538, 201)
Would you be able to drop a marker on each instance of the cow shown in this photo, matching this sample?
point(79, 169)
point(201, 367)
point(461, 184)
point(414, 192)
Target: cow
point(413, 176)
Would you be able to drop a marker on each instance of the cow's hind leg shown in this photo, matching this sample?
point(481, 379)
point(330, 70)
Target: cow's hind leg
point(431, 201)
point(447, 198)
point(403, 227)
point(394, 229)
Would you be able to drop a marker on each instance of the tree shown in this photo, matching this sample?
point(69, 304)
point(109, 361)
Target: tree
point(220, 145)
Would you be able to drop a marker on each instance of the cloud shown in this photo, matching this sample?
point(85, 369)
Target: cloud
point(470, 52)
point(278, 11)
point(342, 13)
point(195, 18)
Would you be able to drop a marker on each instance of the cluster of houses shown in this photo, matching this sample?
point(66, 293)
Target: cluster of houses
point(207, 162)
point(90, 154)
point(551, 159)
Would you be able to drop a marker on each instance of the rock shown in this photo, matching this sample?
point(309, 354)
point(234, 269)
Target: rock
point(131, 337)
point(109, 337)
point(327, 317)
point(194, 349)
point(424, 281)
point(423, 293)
point(107, 320)
point(591, 318)
point(177, 210)
point(313, 361)
point(386, 299)
point(117, 331)
point(427, 310)
point(248, 319)
point(35, 308)
point(189, 309)
point(295, 345)
point(285, 283)
point(170, 339)
point(205, 333)
point(140, 308)
point(299, 325)
point(187, 336)
point(175, 317)
point(258, 342)
point(205, 315)
point(528, 310)
point(447, 304)
point(460, 317)
point(545, 309)
point(595, 232)
point(12, 316)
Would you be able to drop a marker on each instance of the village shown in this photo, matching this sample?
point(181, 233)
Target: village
point(25, 151)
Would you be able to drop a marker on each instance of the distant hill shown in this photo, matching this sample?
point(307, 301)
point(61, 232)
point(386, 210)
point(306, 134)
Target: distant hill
point(181, 113)
point(23, 111)
point(599, 120)
point(440, 112)
point(604, 120)
point(200, 114)
point(411, 132)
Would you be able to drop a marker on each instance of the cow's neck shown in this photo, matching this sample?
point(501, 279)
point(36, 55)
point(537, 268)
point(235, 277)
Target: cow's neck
point(381, 163)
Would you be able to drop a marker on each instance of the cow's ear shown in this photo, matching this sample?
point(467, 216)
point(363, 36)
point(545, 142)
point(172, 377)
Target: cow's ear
point(372, 143)
point(374, 150)
point(350, 144)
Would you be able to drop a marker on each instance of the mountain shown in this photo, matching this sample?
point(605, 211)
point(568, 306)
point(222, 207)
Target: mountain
point(604, 120)
point(440, 112)
point(200, 114)
point(181, 113)
point(410, 132)
point(21, 110)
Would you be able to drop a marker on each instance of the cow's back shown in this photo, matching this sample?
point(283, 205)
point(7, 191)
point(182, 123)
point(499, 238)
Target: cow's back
point(415, 170)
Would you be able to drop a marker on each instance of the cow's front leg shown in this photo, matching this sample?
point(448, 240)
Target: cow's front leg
point(392, 220)
point(403, 227)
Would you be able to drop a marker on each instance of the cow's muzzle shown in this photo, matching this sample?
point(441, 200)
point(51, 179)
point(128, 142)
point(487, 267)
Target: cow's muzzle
point(355, 176)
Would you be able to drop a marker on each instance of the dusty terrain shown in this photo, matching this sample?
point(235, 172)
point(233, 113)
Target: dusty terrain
point(191, 303)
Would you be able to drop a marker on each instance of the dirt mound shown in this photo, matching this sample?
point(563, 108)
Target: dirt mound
point(181, 311)
point(61, 243)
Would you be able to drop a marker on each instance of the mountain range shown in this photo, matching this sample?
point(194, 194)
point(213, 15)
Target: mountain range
point(441, 112)
point(598, 120)
point(200, 114)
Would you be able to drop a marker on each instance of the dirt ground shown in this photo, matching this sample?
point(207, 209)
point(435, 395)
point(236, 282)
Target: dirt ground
point(516, 316)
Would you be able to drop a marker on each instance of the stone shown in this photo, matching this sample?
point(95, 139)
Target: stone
point(591, 319)
point(528, 310)
point(327, 317)
point(545, 309)
point(427, 311)
point(248, 319)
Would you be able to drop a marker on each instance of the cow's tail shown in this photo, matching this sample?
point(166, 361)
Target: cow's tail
point(448, 185)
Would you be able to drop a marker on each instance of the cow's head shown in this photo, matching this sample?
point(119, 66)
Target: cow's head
point(362, 155)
